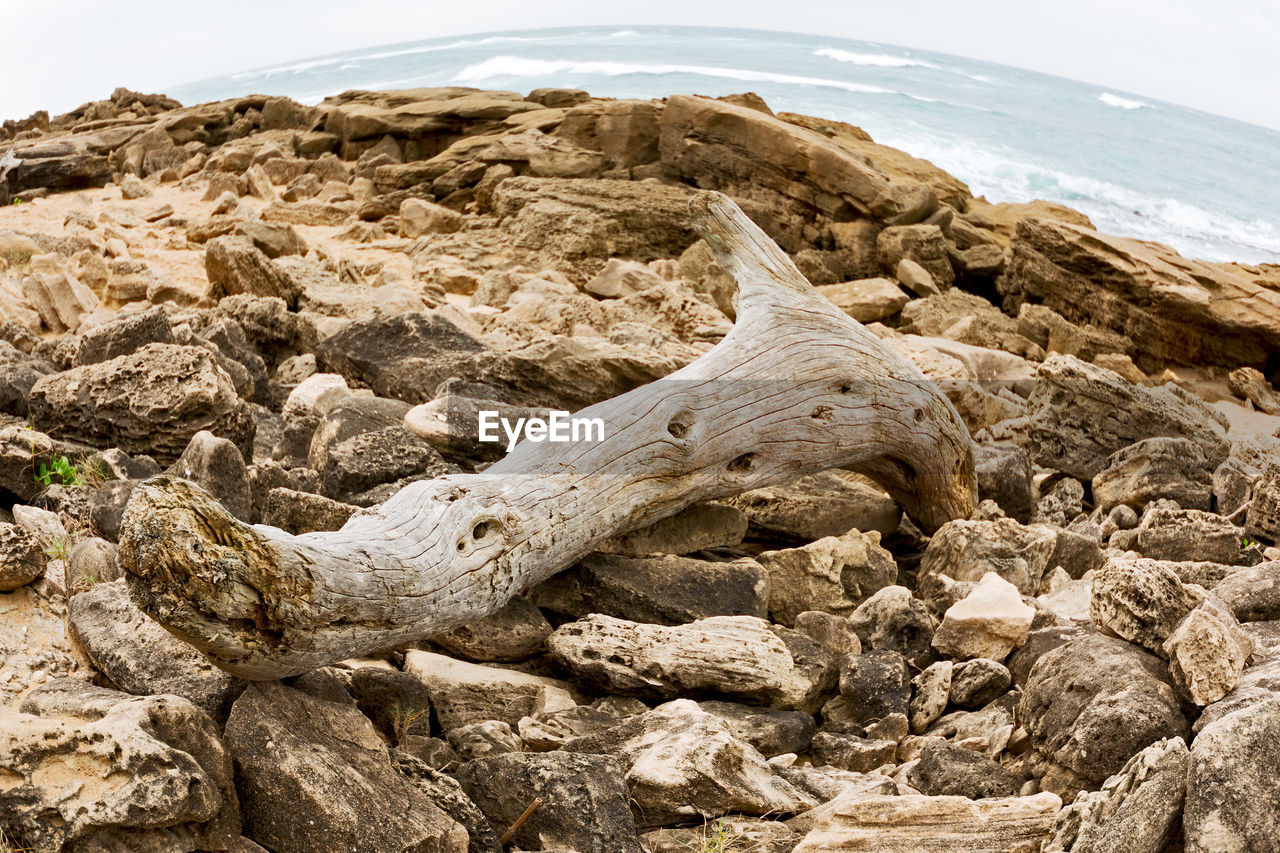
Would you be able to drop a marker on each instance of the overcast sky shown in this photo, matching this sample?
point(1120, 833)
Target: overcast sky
point(1222, 56)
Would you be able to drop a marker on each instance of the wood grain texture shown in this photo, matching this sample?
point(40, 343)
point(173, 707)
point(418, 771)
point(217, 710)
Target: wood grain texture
point(795, 388)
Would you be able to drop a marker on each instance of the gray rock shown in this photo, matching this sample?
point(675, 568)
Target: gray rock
point(834, 574)
point(852, 753)
point(398, 704)
point(106, 507)
point(1135, 811)
point(700, 527)
point(463, 693)
point(660, 590)
point(1169, 533)
point(584, 799)
point(1170, 468)
point(450, 798)
point(302, 512)
point(216, 465)
point(1253, 593)
point(1081, 414)
point(142, 658)
point(1207, 653)
point(1004, 476)
point(1231, 793)
point(92, 561)
point(483, 740)
point(18, 373)
point(968, 550)
point(875, 684)
point(22, 559)
point(947, 769)
point(769, 731)
point(830, 632)
point(894, 620)
point(976, 682)
point(930, 694)
point(737, 657)
point(346, 794)
point(1093, 703)
point(162, 778)
point(150, 402)
point(547, 730)
point(123, 335)
point(1262, 519)
point(1141, 601)
point(819, 505)
point(683, 763)
point(515, 632)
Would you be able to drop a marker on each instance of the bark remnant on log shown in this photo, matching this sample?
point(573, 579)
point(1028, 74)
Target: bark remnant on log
point(796, 387)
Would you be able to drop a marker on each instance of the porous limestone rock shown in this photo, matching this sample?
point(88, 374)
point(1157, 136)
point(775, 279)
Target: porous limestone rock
point(833, 574)
point(989, 622)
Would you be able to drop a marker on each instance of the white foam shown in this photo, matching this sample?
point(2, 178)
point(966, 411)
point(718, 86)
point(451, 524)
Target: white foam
point(878, 60)
point(1123, 103)
point(517, 66)
point(623, 34)
point(307, 65)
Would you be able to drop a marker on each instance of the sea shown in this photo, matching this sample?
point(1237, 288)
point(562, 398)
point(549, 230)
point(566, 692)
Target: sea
point(1207, 185)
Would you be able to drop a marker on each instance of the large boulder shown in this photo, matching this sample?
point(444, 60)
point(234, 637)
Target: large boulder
point(1172, 309)
point(583, 799)
point(1093, 703)
point(87, 768)
point(141, 657)
point(1081, 414)
point(1232, 802)
point(151, 402)
point(313, 775)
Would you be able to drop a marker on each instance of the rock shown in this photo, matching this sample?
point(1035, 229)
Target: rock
point(947, 769)
point(621, 278)
point(852, 753)
point(1252, 594)
point(1173, 310)
point(235, 265)
point(583, 799)
point(924, 244)
point(682, 763)
point(916, 278)
point(450, 798)
point(1207, 652)
point(451, 424)
point(1262, 519)
point(760, 835)
point(18, 373)
point(347, 793)
point(277, 333)
point(1155, 468)
point(874, 685)
point(1081, 414)
point(515, 632)
point(660, 590)
point(769, 731)
point(544, 731)
point(131, 187)
point(382, 352)
point(57, 296)
point(484, 739)
point(1135, 810)
point(1004, 476)
point(819, 505)
point(932, 690)
point(894, 620)
point(1250, 384)
point(834, 575)
point(969, 550)
point(123, 335)
point(162, 777)
point(275, 240)
point(418, 217)
point(934, 824)
point(730, 656)
point(463, 693)
point(1230, 801)
point(150, 402)
point(1185, 535)
point(217, 467)
point(976, 682)
point(302, 512)
point(700, 527)
point(92, 561)
point(142, 658)
point(866, 300)
point(1093, 703)
point(830, 632)
point(22, 559)
point(1141, 601)
point(989, 622)
point(572, 219)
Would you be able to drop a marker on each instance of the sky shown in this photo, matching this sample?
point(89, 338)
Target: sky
point(1219, 56)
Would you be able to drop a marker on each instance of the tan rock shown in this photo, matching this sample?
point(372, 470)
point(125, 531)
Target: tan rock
point(418, 217)
point(834, 574)
point(866, 300)
point(1207, 652)
point(989, 622)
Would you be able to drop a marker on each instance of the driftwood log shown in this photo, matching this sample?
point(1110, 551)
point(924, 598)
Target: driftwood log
point(796, 387)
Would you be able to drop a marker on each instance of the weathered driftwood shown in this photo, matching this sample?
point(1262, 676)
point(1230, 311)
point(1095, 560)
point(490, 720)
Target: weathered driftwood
point(796, 387)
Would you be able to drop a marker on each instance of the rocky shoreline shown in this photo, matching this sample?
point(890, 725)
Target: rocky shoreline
point(303, 309)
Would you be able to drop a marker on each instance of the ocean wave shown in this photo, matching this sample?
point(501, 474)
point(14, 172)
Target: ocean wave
point(623, 34)
point(517, 66)
point(1123, 103)
point(308, 65)
point(878, 60)
point(1005, 176)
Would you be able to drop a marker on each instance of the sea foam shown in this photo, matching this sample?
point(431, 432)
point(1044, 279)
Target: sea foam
point(1123, 103)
